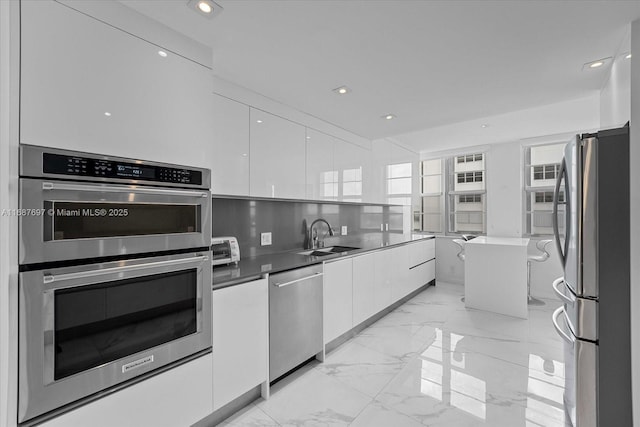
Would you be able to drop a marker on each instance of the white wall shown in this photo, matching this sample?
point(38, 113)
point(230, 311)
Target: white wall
point(635, 214)
point(9, 33)
point(615, 96)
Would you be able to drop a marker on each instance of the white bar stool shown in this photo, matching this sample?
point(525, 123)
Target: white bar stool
point(542, 256)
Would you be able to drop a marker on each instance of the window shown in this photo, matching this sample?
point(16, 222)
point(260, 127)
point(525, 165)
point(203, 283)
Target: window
point(399, 184)
point(545, 172)
point(454, 195)
point(432, 196)
point(541, 169)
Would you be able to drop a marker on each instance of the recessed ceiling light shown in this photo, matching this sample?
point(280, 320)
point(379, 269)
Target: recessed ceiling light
point(162, 53)
point(596, 64)
point(244, 154)
point(206, 8)
point(628, 56)
point(342, 90)
point(389, 116)
point(258, 121)
point(484, 126)
point(308, 137)
point(108, 114)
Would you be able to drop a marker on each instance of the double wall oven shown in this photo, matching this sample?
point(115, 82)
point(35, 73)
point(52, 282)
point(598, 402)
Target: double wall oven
point(115, 274)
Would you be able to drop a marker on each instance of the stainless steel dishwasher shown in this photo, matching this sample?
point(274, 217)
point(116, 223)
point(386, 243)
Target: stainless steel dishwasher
point(295, 318)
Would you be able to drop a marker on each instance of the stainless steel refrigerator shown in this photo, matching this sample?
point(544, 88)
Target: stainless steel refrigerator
point(594, 320)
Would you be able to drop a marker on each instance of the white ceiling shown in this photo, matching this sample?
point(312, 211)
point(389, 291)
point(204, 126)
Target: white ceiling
point(431, 63)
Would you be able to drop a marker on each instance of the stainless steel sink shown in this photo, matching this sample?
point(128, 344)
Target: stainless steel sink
point(331, 250)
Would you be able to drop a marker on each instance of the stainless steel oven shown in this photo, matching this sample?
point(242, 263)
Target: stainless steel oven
point(90, 206)
point(115, 275)
point(86, 328)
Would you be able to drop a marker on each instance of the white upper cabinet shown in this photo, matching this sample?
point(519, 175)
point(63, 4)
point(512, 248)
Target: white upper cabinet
point(354, 165)
point(88, 86)
point(277, 157)
point(381, 158)
point(403, 176)
point(230, 157)
point(322, 177)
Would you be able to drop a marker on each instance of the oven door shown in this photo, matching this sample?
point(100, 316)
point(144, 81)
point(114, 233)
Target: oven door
point(85, 329)
point(86, 220)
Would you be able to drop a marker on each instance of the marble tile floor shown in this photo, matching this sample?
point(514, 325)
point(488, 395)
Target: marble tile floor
point(431, 362)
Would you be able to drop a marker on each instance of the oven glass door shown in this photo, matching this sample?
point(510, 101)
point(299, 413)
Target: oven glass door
point(85, 329)
point(88, 220)
point(98, 324)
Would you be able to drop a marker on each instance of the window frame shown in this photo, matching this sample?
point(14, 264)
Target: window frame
point(530, 192)
point(449, 196)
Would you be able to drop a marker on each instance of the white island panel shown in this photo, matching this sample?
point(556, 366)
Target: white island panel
point(495, 276)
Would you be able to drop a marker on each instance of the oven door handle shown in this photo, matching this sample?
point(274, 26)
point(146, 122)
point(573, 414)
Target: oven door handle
point(50, 278)
point(48, 186)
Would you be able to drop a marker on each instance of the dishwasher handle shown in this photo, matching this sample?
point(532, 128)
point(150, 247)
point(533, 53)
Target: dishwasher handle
point(283, 284)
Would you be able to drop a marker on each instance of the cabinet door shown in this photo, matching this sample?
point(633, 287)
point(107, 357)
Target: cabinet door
point(322, 178)
point(364, 286)
point(338, 298)
point(422, 262)
point(421, 251)
point(351, 162)
point(178, 397)
point(240, 340)
point(230, 157)
point(401, 284)
point(88, 86)
point(383, 279)
point(277, 157)
point(381, 158)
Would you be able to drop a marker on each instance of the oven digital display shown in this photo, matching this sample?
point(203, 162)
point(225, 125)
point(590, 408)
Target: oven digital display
point(135, 171)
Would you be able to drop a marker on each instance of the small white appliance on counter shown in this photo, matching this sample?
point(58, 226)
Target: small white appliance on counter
point(225, 250)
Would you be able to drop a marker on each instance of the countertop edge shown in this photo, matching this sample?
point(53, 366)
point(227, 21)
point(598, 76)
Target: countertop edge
point(304, 262)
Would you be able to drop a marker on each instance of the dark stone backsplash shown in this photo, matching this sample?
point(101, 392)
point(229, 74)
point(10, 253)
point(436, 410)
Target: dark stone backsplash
point(246, 218)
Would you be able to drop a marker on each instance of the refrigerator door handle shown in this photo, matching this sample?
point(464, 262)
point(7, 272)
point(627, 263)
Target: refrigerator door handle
point(561, 295)
point(568, 337)
point(556, 199)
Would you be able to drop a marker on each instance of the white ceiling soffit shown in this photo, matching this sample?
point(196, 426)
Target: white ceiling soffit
point(431, 63)
point(580, 115)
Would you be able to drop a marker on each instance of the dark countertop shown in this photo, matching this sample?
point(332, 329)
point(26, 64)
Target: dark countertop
point(253, 267)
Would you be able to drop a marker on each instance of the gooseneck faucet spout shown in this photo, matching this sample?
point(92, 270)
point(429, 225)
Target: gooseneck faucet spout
point(312, 234)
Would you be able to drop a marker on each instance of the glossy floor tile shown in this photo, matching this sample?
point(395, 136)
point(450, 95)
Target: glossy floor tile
point(431, 362)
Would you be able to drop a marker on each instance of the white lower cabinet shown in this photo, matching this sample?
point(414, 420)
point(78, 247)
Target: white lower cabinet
point(364, 288)
point(401, 285)
point(383, 278)
point(338, 298)
point(240, 340)
point(178, 397)
point(422, 268)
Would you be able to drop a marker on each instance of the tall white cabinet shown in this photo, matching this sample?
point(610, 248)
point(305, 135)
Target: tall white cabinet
point(88, 86)
point(230, 161)
point(277, 150)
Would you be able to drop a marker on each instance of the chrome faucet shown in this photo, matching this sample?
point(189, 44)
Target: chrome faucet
point(312, 234)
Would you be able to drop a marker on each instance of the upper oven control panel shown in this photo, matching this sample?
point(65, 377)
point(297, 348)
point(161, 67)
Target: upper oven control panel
point(50, 162)
point(84, 166)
